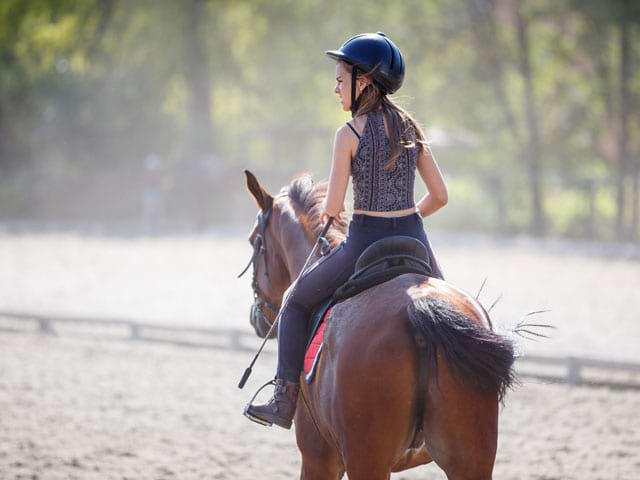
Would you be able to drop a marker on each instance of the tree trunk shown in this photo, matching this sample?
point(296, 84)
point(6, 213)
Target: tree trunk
point(198, 183)
point(635, 188)
point(532, 151)
point(635, 199)
point(623, 134)
point(197, 76)
point(104, 10)
point(483, 25)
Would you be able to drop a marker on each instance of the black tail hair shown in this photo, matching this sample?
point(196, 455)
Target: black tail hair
point(475, 354)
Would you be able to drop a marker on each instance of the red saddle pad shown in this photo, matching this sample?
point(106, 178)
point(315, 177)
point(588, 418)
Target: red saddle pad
point(315, 346)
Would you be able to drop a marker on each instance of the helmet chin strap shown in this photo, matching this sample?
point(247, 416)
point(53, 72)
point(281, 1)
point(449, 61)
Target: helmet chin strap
point(354, 101)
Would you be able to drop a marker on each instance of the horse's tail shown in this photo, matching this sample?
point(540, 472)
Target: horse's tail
point(475, 354)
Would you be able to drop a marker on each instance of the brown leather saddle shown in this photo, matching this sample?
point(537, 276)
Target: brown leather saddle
point(380, 262)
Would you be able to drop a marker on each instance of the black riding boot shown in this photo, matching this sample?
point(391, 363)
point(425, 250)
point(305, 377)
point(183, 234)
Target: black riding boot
point(281, 408)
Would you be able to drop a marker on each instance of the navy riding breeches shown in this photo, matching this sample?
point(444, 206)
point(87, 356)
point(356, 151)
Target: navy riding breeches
point(327, 274)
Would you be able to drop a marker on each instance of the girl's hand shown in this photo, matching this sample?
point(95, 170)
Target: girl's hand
point(324, 218)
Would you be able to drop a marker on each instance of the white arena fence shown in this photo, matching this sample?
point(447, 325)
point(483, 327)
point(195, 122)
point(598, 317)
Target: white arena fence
point(571, 370)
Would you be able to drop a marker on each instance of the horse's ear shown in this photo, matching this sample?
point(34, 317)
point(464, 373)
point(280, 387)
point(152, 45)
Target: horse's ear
point(264, 200)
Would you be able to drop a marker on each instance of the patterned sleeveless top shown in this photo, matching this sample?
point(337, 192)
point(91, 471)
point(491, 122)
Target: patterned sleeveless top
point(374, 188)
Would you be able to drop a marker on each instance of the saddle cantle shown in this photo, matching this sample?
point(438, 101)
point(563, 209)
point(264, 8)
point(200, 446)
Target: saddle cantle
point(379, 263)
point(384, 260)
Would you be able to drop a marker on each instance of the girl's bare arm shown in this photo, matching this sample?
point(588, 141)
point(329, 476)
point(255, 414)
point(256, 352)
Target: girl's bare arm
point(437, 196)
point(340, 172)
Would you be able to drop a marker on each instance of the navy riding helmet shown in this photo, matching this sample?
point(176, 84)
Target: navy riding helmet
point(375, 54)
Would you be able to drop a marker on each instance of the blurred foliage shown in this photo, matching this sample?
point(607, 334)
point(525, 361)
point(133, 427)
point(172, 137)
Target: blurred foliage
point(114, 110)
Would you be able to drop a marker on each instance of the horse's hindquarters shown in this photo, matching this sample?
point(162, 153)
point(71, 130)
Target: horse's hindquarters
point(366, 397)
point(468, 369)
point(365, 391)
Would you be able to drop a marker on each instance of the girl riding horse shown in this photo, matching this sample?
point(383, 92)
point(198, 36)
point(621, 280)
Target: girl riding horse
point(381, 149)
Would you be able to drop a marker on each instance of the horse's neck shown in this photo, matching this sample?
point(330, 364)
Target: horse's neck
point(296, 248)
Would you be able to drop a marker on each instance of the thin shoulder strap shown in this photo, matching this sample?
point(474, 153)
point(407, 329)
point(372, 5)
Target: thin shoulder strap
point(353, 129)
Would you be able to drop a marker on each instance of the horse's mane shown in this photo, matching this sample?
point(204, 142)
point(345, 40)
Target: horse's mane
point(308, 199)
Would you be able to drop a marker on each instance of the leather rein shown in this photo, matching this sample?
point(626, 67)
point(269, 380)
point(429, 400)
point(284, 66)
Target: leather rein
point(259, 250)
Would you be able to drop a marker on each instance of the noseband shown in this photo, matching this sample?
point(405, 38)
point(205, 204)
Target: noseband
point(259, 249)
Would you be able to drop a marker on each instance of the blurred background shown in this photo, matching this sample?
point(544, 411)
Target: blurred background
point(124, 130)
point(142, 115)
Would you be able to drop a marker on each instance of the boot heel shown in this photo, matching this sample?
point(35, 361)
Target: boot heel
point(283, 423)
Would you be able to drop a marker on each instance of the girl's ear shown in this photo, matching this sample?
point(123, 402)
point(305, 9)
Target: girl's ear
point(365, 80)
point(263, 199)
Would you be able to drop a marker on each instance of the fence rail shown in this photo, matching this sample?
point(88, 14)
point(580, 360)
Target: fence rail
point(193, 336)
point(571, 370)
point(577, 370)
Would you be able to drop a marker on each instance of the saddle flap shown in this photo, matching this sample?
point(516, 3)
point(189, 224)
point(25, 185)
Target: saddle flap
point(317, 316)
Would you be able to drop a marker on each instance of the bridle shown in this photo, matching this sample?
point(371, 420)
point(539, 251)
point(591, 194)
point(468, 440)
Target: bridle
point(258, 250)
point(258, 247)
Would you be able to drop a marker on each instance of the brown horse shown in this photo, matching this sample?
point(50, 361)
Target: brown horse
point(411, 370)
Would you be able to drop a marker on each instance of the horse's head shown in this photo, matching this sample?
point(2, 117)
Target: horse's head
point(271, 276)
point(285, 230)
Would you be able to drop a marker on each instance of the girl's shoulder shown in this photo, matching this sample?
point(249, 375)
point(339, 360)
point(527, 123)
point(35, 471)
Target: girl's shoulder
point(347, 137)
point(358, 123)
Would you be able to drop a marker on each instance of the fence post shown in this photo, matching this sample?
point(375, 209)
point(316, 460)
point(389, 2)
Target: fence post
point(236, 343)
point(135, 331)
point(573, 371)
point(45, 326)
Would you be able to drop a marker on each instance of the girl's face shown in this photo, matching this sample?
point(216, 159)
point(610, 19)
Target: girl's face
point(343, 85)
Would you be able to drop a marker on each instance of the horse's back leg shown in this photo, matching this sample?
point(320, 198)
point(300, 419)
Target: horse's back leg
point(376, 412)
point(320, 460)
point(316, 469)
point(461, 427)
point(325, 467)
point(413, 458)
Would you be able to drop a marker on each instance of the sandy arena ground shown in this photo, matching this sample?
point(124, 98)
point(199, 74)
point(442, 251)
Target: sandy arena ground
point(100, 409)
point(95, 409)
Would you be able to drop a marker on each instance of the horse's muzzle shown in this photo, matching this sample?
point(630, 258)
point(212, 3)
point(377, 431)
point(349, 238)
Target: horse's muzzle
point(259, 321)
